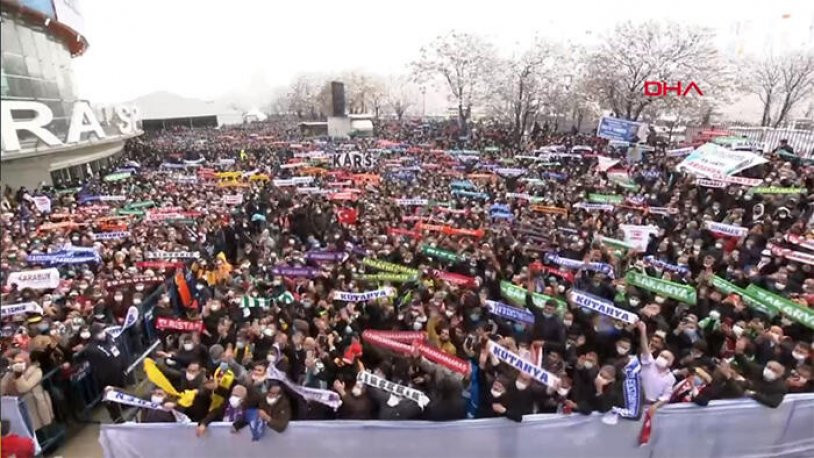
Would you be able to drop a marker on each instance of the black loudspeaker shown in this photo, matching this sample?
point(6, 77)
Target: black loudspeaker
point(337, 98)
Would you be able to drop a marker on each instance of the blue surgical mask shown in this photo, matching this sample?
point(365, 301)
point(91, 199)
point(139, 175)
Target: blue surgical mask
point(224, 365)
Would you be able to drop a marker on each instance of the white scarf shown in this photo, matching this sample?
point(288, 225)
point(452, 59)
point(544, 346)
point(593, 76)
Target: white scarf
point(129, 400)
point(400, 391)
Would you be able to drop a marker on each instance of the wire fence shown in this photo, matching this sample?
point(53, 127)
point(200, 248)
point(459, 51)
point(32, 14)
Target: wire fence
point(801, 140)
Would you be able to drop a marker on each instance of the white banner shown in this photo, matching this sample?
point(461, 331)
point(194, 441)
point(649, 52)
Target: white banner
point(43, 204)
point(713, 161)
point(235, 199)
point(19, 424)
point(35, 279)
point(606, 163)
point(19, 309)
point(729, 230)
point(638, 236)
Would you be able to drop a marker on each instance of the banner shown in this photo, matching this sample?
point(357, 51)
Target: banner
point(517, 295)
point(19, 309)
point(512, 359)
point(638, 236)
point(290, 271)
point(136, 280)
point(792, 310)
point(593, 207)
point(455, 279)
point(438, 253)
point(172, 255)
point(233, 199)
point(801, 241)
point(605, 163)
point(386, 277)
point(547, 209)
point(115, 235)
point(798, 256)
point(617, 129)
point(728, 230)
point(177, 324)
point(295, 181)
point(576, 264)
point(683, 293)
point(707, 183)
point(130, 400)
point(777, 190)
point(659, 264)
point(129, 320)
point(631, 390)
point(388, 266)
point(363, 297)
point(605, 307)
point(606, 198)
point(326, 256)
point(34, 279)
point(714, 161)
point(325, 397)
point(750, 300)
point(510, 313)
point(387, 386)
point(412, 202)
point(43, 203)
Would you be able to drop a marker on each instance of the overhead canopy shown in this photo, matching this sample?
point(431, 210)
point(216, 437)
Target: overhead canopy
point(711, 160)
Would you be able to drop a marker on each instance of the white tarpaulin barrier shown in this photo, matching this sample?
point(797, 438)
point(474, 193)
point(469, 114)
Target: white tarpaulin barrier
point(711, 160)
point(17, 416)
point(741, 428)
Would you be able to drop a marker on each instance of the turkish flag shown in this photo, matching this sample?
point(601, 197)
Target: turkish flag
point(348, 215)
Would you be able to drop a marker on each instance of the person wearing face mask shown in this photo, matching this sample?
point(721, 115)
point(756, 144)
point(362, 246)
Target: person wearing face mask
point(356, 404)
point(657, 380)
point(548, 329)
point(801, 380)
point(519, 398)
point(768, 346)
point(274, 409)
point(23, 380)
point(159, 397)
point(232, 410)
point(765, 383)
point(606, 393)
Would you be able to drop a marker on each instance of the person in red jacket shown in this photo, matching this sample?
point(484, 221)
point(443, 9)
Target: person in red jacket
point(15, 446)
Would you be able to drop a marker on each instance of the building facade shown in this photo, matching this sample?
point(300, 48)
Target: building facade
point(48, 133)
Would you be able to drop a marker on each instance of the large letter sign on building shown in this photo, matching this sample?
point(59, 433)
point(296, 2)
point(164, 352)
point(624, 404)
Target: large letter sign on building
point(83, 120)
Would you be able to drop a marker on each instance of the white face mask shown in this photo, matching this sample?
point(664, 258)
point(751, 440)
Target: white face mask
point(634, 302)
point(234, 401)
point(356, 391)
point(496, 393)
point(520, 385)
point(417, 325)
point(737, 330)
point(191, 377)
point(622, 350)
point(271, 358)
point(188, 346)
point(589, 364)
point(798, 356)
point(661, 362)
point(18, 367)
point(563, 391)
point(272, 399)
point(567, 322)
point(769, 375)
point(84, 335)
point(157, 399)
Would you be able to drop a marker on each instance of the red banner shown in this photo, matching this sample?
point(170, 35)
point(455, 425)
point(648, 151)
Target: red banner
point(176, 324)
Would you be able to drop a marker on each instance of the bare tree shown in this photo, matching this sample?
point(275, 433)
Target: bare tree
point(464, 62)
point(304, 96)
point(400, 94)
point(796, 82)
point(651, 51)
point(764, 80)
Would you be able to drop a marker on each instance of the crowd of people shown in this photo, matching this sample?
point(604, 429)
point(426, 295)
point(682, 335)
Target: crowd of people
point(438, 284)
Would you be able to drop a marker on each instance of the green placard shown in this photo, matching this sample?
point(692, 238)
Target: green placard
point(388, 266)
point(393, 278)
point(683, 293)
point(117, 176)
point(141, 204)
point(616, 243)
point(776, 190)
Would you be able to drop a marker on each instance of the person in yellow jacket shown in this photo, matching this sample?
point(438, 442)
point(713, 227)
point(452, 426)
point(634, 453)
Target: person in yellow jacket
point(439, 339)
point(213, 275)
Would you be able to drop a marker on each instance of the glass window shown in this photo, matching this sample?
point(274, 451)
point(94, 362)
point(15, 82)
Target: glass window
point(19, 87)
point(48, 71)
point(50, 89)
point(7, 33)
point(4, 84)
point(42, 44)
point(14, 64)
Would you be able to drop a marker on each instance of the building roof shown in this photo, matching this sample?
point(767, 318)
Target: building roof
point(166, 105)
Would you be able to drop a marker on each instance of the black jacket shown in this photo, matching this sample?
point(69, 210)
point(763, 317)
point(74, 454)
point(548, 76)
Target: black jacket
point(767, 393)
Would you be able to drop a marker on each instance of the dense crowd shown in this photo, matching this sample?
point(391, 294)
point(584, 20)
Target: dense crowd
point(429, 286)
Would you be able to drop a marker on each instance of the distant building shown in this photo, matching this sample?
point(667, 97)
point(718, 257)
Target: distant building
point(161, 110)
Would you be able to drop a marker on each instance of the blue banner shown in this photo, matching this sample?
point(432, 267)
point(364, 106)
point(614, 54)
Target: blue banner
point(617, 129)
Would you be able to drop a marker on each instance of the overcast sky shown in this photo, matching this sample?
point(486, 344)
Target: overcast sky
point(206, 48)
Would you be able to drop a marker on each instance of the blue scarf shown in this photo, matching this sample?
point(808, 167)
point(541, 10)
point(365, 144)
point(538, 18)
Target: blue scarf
point(652, 261)
point(473, 404)
point(632, 391)
point(575, 264)
point(510, 313)
point(476, 195)
point(256, 424)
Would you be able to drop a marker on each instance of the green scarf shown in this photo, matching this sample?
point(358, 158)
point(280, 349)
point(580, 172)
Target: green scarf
point(683, 293)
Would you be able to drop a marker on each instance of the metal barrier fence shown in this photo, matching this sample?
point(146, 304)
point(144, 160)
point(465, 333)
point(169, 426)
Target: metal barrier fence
point(76, 393)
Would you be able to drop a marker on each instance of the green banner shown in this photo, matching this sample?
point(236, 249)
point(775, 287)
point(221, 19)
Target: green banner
point(117, 176)
point(616, 243)
point(728, 288)
point(130, 211)
point(141, 204)
point(776, 190)
point(388, 266)
point(491, 149)
point(794, 311)
point(606, 198)
point(683, 293)
point(393, 278)
point(438, 253)
point(68, 190)
point(517, 296)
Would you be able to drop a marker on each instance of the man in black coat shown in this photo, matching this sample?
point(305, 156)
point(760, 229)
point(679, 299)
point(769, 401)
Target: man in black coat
point(107, 364)
point(765, 383)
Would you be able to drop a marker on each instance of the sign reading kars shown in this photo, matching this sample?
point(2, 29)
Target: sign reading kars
point(34, 117)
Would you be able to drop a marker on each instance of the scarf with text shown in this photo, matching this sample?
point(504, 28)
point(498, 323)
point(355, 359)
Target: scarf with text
point(288, 271)
point(517, 295)
point(19, 309)
point(177, 324)
point(799, 240)
point(130, 400)
point(132, 281)
point(679, 292)
point(575, 264)
point(599, 305)
point(453, 278)
point(798, 256)
point(172, 255)
point(325, 397)
point(400, 391)
point(363, 297)
point(386, 277)
point(438, 253)
point(728, 230)
point(388, 266)
point(326, 256)
point(632, 391)
point(117, 235)
point(659, 264)
point(404, 341)
point(512, 359)
point(510, 313)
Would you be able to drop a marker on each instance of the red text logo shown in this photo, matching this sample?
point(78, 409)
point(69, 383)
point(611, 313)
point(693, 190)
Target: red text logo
point(661, 88)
